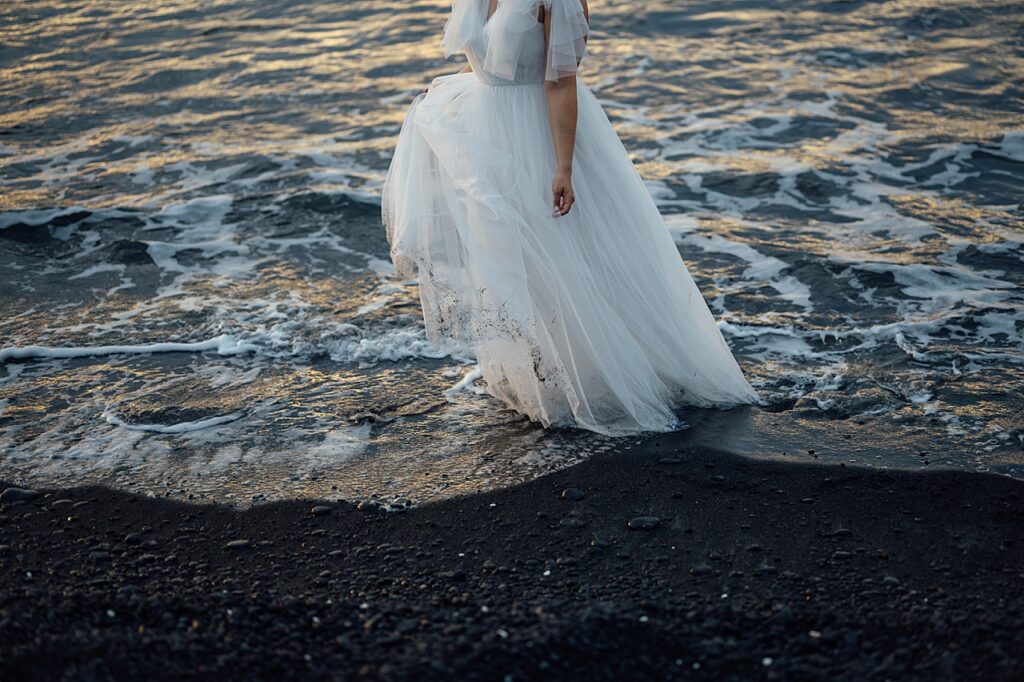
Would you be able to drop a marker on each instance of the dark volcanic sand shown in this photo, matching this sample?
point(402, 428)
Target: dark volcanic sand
point(756, 570)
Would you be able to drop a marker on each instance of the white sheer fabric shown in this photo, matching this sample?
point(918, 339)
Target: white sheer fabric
point(503, 52)
point(591, 319)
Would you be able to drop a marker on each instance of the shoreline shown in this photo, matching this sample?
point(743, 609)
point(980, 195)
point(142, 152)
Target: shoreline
point(754, 569)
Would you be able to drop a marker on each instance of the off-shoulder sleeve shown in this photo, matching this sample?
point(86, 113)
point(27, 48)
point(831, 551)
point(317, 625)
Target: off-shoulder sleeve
point(568, 42)
point(465, 17)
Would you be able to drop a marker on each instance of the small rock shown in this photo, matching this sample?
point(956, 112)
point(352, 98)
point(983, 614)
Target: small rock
point(573, 494)
point(840, 554)
point(62, 503)
point(643, 523)
point(842, 532)
point(132, 539)
point(700, 569)
point(571, 522)
point(238, 544)
point(320, 510)
point(765, 569)
point(11, 495)
point(718, 478)
point(890, 580)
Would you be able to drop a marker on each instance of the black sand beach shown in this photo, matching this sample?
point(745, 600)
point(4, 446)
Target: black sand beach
point(198, 312)
point(753, 570)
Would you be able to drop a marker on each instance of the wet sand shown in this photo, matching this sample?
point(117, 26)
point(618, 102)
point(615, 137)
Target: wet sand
point(752, 570)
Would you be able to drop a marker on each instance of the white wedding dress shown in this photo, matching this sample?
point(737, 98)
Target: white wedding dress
point(588, 320)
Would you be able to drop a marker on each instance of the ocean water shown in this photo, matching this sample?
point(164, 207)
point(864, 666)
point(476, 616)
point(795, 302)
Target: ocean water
point(196, 298)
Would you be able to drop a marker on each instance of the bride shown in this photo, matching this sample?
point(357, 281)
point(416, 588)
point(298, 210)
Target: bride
point(535, 242)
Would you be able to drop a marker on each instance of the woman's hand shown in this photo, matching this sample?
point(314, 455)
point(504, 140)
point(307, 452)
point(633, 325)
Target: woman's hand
point(561, 193)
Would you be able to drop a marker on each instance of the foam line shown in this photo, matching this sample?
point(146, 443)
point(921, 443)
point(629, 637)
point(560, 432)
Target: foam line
point(225, 344)
point(180, 427)
point(466, 383)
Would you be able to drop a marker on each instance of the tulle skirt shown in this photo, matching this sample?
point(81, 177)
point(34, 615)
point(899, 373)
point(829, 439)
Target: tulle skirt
point(588, 320)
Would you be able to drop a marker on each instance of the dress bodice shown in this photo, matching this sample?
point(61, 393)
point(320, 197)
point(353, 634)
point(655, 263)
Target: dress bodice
point(508, 47)
point(529, 61)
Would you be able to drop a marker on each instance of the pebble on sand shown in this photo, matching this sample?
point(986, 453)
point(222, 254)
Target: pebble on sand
point(643, 523)
point(238, 544)
point(573, 494)
point(320, 510)
point(18, 495)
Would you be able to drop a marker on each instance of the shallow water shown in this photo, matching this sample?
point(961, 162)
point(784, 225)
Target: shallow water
point(843, 178)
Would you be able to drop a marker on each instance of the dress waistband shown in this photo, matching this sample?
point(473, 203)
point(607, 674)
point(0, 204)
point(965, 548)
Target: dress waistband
point(507, 84)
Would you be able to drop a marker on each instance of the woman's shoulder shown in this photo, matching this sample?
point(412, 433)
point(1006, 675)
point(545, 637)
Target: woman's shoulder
point(580, 5)
point(572, 5)
point(565, 8)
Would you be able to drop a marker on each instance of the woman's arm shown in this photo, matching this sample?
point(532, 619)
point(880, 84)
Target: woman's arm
point(562, 110)
point(562, 113)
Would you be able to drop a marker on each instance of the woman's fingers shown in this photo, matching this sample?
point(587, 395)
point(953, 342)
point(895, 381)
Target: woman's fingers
point(568, 199)
point(563, 200)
